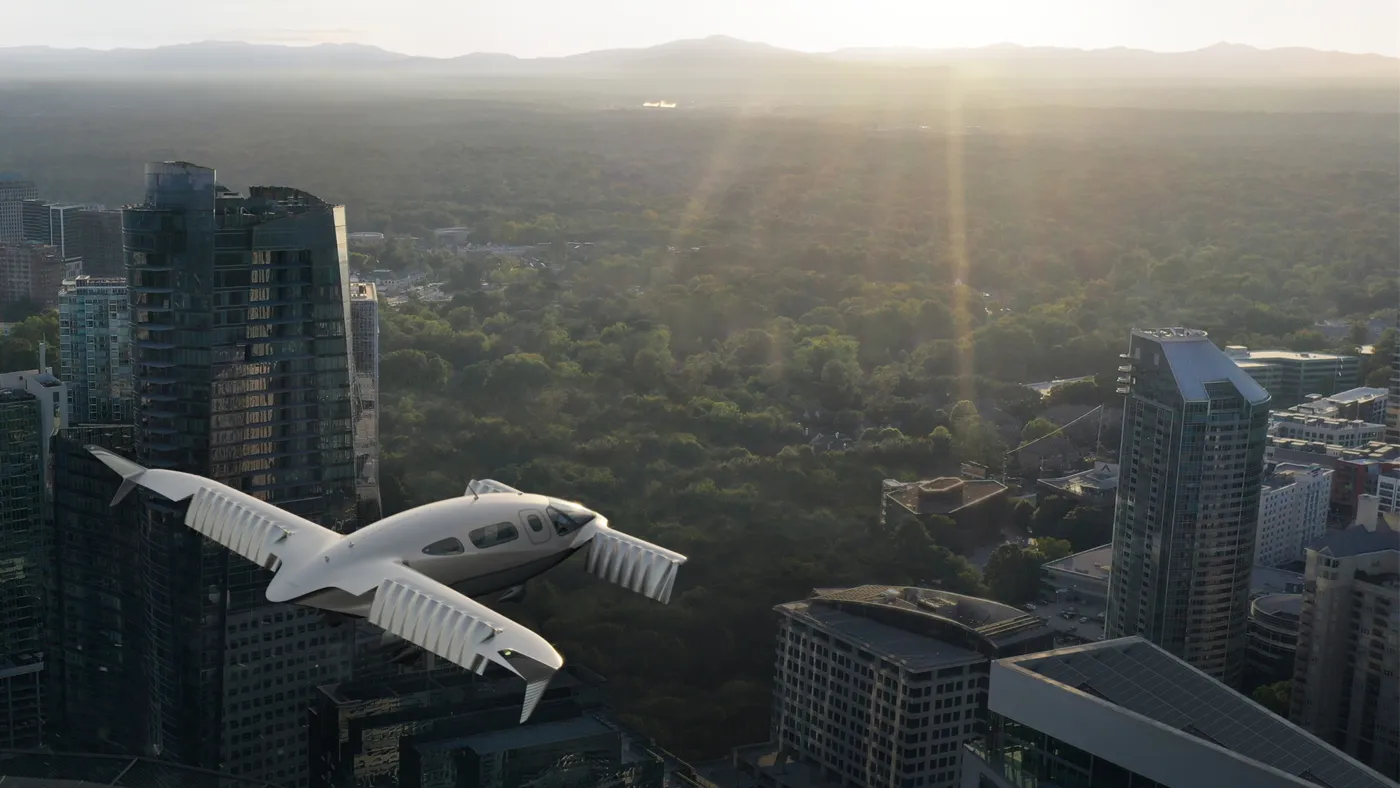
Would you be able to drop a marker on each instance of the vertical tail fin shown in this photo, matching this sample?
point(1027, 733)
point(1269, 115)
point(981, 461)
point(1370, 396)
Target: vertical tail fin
point(130, 471)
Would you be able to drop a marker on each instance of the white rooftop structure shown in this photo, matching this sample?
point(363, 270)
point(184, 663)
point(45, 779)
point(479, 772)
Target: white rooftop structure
point(1196, 361)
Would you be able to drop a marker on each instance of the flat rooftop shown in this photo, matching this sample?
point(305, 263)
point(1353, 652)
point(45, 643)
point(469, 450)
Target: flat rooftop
point(523, 736)
point(911, 648)
point(31, 769)
point(1240, 352)
point(952, 494)
point(1357, 540)
point(1142, 679)
point(1097, 564)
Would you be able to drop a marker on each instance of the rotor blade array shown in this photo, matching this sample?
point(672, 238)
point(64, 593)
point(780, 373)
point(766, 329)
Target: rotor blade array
point(634, 564)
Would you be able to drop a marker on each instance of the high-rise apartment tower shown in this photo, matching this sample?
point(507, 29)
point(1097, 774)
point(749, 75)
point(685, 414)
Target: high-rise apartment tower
point(1191, 462)
point(241, 368)
point(94, 339)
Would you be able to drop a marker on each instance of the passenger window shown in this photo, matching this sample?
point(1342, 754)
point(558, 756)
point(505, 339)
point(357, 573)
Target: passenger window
point(536, 524)
point(492, 535)
point(447, 546)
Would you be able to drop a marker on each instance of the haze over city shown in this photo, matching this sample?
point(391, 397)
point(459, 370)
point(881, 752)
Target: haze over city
point(547, 28)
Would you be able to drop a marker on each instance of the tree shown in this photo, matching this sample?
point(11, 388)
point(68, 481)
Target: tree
point(1274, 697)
point(1037, 427)
point(1012, 574)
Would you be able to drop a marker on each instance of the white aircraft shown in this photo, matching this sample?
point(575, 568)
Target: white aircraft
point(414, 574)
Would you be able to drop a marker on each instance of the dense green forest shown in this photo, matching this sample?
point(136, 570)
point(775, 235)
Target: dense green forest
point(757, 280)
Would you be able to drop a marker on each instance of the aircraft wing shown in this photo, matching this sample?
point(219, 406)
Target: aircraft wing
point(635, 564)
point(461, 630)
point(257, 530)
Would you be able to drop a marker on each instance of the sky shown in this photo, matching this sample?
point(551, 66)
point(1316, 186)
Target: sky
point(535, 28)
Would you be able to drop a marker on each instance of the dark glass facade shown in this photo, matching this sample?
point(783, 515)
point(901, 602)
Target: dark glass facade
point(1191, 464)
point(241, 372)
point(1027, 758)
point(21, 512)
point(95, 672)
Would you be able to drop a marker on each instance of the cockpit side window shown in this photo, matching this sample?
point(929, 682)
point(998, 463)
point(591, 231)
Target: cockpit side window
point(448, 546)
point(535, 523)
point(492, 535)
point(565, 524)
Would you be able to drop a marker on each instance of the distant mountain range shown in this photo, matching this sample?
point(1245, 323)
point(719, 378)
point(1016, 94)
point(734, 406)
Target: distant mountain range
point(716, 56)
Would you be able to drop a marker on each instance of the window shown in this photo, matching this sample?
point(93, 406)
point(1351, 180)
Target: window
point(565, 524)
point(492, 535)
point(536, 524)
point(449, 546)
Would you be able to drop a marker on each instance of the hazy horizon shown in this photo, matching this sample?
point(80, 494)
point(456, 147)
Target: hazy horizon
point(432, 28)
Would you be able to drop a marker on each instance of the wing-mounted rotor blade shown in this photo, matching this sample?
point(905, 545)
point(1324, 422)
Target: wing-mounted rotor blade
point(485, 486)
point(633, 563)
point(257, 530)
point(461, 630)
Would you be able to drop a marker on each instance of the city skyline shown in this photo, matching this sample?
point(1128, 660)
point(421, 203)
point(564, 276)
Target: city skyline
point(421, 27)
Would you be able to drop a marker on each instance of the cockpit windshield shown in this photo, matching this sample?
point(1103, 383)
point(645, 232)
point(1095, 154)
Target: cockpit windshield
point(568, 517)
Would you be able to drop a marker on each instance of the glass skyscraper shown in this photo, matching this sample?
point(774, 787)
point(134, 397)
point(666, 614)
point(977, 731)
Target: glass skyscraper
point(1191, 463)
point(21, 510)
point(364, 336)
point(94, 605)
point(94, 333)
point(241, 368)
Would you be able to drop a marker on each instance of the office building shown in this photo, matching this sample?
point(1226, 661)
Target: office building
point(1293, 506)
point(1364, 404)
point(53, 224)
point(1126, 713)
point(96, 238)
point(14, 190)
point(94, 338)
point(453, 728)
point(1290, 377)
point(94, 611)
point(53, 405)
point(1344, 433)
point(241, 368)
point(364, 343)
point(976, 506)
point(1273, 639)
point(1192, 458)
point(33, 272)
point(21, 568)
point(1097, 486)
point(1387, 489)
point(876, 685)
point(1345, 688)
point(1355, 472)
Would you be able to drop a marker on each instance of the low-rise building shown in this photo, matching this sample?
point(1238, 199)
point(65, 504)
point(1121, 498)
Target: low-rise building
point(1347, 434)
point(1293, 508)
point(1290, 377)
point(1096, 486)
point(1077, 590)
point(1355, 472)
point(1125, 712)
point(976, 506)
point(1273, 639)
point(1364, 403)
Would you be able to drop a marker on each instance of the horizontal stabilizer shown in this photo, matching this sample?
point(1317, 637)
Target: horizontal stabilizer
point(634, 564)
